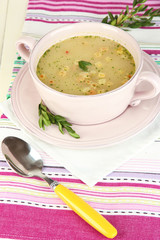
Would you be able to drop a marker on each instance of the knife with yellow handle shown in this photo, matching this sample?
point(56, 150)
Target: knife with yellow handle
point(85, 211)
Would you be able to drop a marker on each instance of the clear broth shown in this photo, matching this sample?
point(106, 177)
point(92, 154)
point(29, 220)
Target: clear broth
point(86, 65)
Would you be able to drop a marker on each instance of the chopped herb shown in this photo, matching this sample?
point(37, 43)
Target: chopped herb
point(83, 65)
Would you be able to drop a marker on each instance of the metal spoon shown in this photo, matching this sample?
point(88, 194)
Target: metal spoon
point(27, 162)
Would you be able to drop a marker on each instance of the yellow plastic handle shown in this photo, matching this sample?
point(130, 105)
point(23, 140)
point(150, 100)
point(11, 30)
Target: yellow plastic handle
point(85, 211)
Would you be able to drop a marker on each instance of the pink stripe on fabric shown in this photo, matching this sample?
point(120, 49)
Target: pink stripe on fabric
point(55, 178)
point(106, 206)
point(108, 183)
point(118, 195)
point(88, 194)
point(128, 2)
point(48, 2)
point(45, 21)
point(74, 4)
point(128, 184)
point(83, 5)
point(74, 10)
point(31, 198)
point(126, 206)
point(3, 116)
point(152, 52)
point(25, 186)
point(110, 6)
point(26, 223)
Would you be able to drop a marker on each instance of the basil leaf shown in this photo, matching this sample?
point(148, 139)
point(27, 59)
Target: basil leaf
point(83, 65)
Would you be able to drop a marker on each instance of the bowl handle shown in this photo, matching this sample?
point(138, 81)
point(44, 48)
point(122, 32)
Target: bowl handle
point(154, 81)
point(24, 46)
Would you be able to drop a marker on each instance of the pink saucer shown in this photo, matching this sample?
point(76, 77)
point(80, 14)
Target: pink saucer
point(25, 100)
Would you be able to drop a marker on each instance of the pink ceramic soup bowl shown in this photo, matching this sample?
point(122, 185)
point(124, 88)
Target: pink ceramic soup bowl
point(92, 109)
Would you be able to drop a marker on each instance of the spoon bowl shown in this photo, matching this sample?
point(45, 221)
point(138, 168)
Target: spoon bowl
point(21, 156)
point(25, 161)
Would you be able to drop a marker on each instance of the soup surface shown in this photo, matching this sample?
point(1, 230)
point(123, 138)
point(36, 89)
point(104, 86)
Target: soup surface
point(86, 65)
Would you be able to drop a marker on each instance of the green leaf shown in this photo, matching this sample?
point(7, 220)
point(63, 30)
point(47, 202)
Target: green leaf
point(120, 19)
point(113, 22)
point(134, 3)
point(143, 1)
point(60, 127)
point(155, 13)
point(43, 125)
point(111, 16)
point(121, 12)
point(126, 24)
point(66, 124)
point(39, 109)
point(45, 115)
point(127, 9)
point(148, 12)
point(51, 118)
point(125, 18)
point(135, 25)
point(140, 8)
point(83, 65)
point(59, 118)
point(144, 8)
point(43, 107)
point(72, 132)
point(75, 135)
point(46, 122)
point(40, 121)
point(147, 24)
point(105, 20)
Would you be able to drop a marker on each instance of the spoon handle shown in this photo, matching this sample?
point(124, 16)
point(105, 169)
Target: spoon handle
point(85, 211)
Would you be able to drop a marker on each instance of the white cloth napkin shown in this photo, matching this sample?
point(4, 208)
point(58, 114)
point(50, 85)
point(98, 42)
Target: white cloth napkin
point(88, 165)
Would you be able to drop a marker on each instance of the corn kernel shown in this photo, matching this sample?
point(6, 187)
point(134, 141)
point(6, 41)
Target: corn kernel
point(62, 73)
point(102, 81)
point(85, 75)
point(109, 84)
point(66, 68)
point(120, 50)
point(97, 54)
point(108, 59)
point(101, 75)
point(103, 49)
point(86, 89)
point(98, 64)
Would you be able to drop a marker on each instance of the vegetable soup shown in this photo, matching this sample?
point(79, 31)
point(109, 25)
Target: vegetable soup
point(86, 65)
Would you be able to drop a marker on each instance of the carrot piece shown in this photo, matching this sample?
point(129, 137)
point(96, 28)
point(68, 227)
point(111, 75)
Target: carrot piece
point(92, 92)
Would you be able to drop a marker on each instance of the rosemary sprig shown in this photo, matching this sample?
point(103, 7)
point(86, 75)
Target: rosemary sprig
point(130, 18)
point(46, 118)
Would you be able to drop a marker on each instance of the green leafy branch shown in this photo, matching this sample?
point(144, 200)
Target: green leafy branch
point(46, 118)
point(130, 18)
